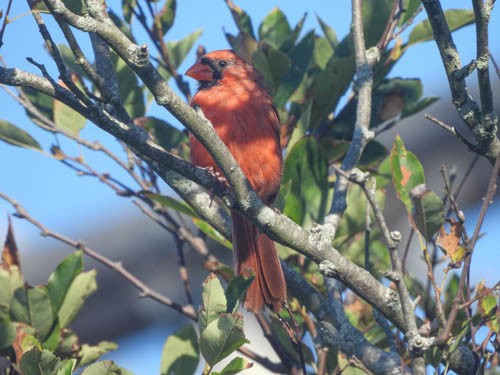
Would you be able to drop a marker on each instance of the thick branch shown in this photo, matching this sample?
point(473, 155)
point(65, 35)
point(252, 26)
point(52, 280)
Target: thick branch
point(482, 125)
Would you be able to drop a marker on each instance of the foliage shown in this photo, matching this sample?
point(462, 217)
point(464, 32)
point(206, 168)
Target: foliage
point(317, 92)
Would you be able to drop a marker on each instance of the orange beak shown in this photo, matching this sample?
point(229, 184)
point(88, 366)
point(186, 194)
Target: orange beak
point(200, 72)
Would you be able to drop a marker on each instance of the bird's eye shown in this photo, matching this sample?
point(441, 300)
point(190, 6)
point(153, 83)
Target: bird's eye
point(222, 63)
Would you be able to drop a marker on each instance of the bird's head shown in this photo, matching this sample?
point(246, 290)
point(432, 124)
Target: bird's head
point(217, 66)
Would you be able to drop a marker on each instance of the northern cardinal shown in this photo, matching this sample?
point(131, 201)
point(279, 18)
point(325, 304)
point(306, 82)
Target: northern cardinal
point(232, 96)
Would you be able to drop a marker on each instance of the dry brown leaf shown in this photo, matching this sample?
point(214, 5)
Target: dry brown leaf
point(10, 254)
point(451, 243)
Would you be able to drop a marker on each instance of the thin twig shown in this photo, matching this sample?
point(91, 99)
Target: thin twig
point(5, 22)
point(144, 289)
point(390, 25)
point(457, 301)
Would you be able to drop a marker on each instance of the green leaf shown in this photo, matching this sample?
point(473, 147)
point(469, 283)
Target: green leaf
point(91, 353)
point(428, 211)
point(165, 17)
point(241, 18)
point(82, 286)
point(16, 136)
point(373, 153)
point(69, 59)
point(212, 233)
point(166, 135)
point(303, 122)
point(323, 52)
point(375, 16)
point(236, 291)
point(180, 352)
point(178, 50)
point(307, 168)
point(329, 33)
point(419, 106)
point(130, 91)
point(222, 337)
point(301, 56)
point(40, 310)
point(236, 365)
point(105, 368)
point(36, 362)
point(456, 18)
point(172, 203)
point(330, 84)
point(76, 6)
point(410, 7)
point(279, 64)
point(354, 219)
point(213, 299)
point(61, 279)
point(67, 367)
point(42, 102)
point(407, 172)
point(275, 29)
point(67, 118)
point(7, 333)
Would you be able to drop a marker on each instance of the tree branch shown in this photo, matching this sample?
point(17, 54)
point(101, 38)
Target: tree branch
point(482, 125)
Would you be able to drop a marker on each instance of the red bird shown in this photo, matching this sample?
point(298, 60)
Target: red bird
point(241, 110)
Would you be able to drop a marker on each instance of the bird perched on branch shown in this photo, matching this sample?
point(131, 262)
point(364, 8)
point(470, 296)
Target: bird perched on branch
point(232, 96)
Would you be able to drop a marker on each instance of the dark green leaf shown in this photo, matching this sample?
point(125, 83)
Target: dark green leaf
point(165, 17)
point(275, 29)
point(91, 353)
point(82, 287)
point(407, 172)
point(7, 333)
point(36, 362)
point(330, 84)
point(279, 64)
point(178, 50)
point(127, 7)
point(42, 102)
point(76, 6)
point(130, 91)
point(62, 278)
point(307, 168)
point(16, 136)
point(236, 291)
point(301, 56)
point(222, 337)
point(166, 135)
point(236, 365)
point(214, 301)
point(456, 18)
point(40, 311)
point(410, 7)
point(241, 18)
point(373, 153)
point(180, 352)
point(375, 16)
point(428, 211)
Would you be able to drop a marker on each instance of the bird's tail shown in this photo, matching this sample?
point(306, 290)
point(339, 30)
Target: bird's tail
point(254, 251)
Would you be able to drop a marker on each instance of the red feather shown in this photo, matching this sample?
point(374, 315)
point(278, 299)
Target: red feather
point(233, 98)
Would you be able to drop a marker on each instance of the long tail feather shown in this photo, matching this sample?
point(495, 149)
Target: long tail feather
point(254, 251)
